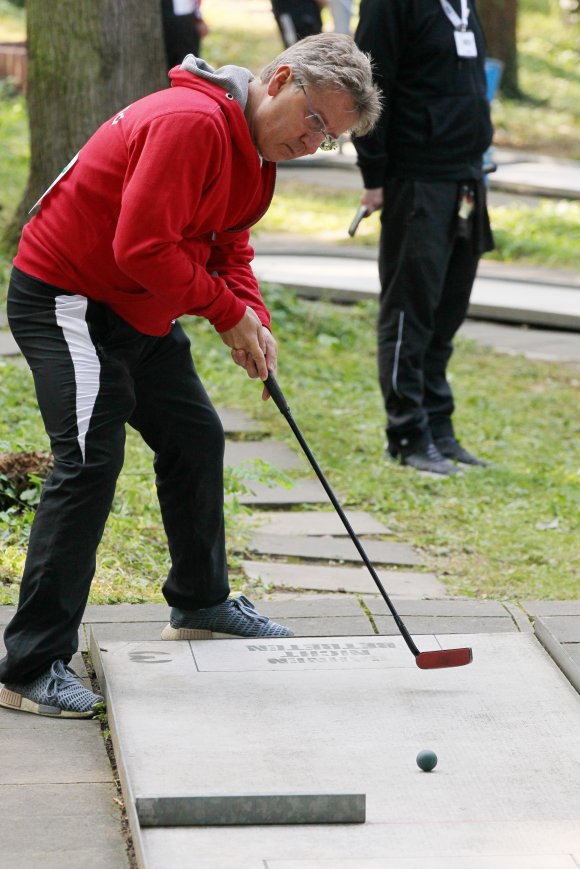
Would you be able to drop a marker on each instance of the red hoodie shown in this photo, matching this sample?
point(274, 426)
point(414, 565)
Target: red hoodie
point(153, 217)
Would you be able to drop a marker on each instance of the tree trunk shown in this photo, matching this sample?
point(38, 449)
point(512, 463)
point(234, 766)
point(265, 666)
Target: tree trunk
point(499, 20)
point(86, 60)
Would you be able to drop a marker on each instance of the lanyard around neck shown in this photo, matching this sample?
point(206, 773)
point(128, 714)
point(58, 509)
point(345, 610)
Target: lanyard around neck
point(458, 23)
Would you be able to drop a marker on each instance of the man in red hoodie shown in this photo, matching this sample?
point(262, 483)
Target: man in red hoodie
point(150, 221)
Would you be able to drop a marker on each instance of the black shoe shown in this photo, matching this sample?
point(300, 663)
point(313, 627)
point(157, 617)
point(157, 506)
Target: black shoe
point(427, 459)
point(452, 449)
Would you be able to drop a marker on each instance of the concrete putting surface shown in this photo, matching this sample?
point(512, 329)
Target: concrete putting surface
point(347, 715)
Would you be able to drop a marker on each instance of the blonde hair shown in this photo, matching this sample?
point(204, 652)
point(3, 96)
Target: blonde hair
point(333, 61)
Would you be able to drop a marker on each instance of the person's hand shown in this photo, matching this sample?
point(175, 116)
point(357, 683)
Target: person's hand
point(202, 28)
point(253, 347)
point(372, 199)
point(244, 360)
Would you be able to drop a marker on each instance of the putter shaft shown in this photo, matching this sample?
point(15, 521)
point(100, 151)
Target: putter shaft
point(431, 660)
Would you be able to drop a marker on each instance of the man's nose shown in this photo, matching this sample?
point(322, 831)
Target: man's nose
point(312, 141)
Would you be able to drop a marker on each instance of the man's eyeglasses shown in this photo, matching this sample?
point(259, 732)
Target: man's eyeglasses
point(315, 125)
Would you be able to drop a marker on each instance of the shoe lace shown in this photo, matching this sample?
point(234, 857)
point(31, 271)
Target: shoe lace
point(433, 453)
point(62, 677)
point(247, 608)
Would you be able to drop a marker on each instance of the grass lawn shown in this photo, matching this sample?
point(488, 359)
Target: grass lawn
point(508, 532)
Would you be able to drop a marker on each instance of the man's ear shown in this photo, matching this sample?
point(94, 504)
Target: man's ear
point(281, 77)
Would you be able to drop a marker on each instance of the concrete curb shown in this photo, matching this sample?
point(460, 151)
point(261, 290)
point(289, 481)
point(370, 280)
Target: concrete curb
point(129, 797)
point(558, 653)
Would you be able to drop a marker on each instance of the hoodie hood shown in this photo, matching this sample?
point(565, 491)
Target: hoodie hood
point(233, 79)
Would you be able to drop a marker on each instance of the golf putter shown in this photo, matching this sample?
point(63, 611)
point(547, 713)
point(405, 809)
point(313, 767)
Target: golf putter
point(424, 660)
point(360, 213)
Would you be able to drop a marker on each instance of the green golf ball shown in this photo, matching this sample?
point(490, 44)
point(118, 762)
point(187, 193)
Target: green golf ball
point(427, 760)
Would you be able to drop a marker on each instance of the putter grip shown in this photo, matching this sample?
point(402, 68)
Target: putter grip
point(361, 212)
point(276, 393)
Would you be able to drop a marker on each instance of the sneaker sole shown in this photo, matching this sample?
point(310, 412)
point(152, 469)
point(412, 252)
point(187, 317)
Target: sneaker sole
point(169, 633)
point(456, 472)
point(12, 700)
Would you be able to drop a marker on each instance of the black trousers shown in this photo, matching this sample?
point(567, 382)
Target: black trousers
point(297, 19)
point(179, 34)
point(93, 374)
point(426, 273)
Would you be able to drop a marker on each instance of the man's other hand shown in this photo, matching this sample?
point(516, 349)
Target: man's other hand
point(253, 347)
point(372, 199)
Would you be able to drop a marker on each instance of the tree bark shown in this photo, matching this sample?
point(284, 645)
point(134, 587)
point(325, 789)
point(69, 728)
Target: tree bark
point(86, 60)
point(499, 20)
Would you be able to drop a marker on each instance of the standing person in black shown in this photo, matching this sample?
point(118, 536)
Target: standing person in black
point(183, 29)
point(422, 166)
point(297, 19)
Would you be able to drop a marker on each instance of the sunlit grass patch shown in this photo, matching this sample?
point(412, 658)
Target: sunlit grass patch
point(547, 234)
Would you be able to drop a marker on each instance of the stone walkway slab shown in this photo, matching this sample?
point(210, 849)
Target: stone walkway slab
point(548, 345)
point(236, 421)
point(125, 612)
point(311, 626)
point(456, 607)
point(317, 524)
point(348, 579)
point(552, 607)
point(350, 279)
point(311, 606)
point(302, 492)
point(454, 615)
point(8, 346)
point(351, 714)
point(273, 452)
point(445, 625)
point(61, 826)
point(128, 632)
point(41, 754)
point(6, 613)
point(319, 615)
point(549, 179)
point(57, 793)
point(358, 626)
point(306, 616)
point(332, 548)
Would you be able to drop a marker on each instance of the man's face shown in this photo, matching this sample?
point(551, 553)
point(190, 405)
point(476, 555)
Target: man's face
point(282, 126)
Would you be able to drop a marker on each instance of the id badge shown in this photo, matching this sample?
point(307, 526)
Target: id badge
point(465, 43)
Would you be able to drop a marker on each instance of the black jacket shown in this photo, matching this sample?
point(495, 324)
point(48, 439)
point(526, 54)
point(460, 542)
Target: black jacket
point(436, 122)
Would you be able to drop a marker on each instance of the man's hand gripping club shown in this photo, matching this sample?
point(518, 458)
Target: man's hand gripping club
point(253, 347)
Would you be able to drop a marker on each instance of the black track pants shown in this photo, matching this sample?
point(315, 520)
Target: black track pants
point(426, 274)
point(94, 373)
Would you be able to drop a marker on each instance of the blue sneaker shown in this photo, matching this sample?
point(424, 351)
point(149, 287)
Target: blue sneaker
point(235, 617)
point(56, 693)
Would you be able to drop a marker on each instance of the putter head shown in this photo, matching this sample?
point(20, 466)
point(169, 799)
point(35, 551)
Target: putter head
point(444, 658)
